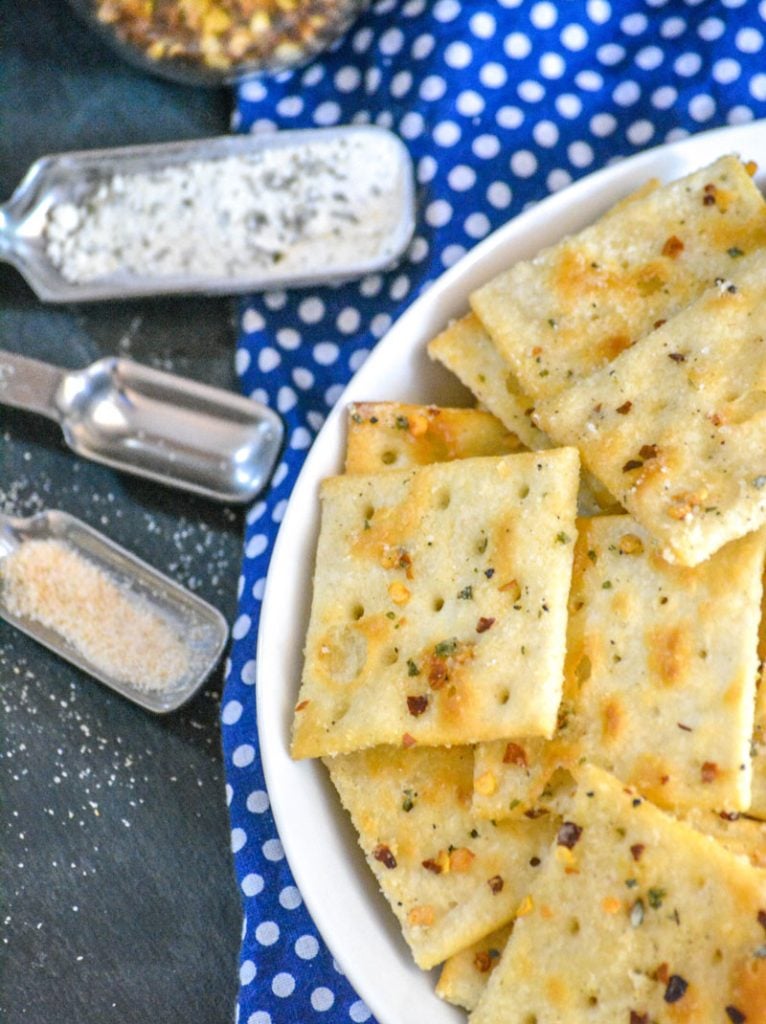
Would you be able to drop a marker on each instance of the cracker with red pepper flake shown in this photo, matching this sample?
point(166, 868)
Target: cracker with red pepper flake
point(466, 349)
point(575, 306)
point(465, 975)
point(433, 860)
point(758, 801)
point(402, 585)
point(395, 435)
point(659, 680)
point(737, 832)
point(689, 459)
point(677, 935)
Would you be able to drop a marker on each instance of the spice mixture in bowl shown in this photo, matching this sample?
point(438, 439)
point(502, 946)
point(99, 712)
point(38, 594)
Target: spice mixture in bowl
point(212, 42)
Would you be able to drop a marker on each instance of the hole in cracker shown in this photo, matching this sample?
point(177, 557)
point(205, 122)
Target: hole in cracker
point(391, 656)
point(574, 926)
point(481, 544)
point(438, 604)
point(388, 457)
point(443, 499)
point(343, 653)
point(503, 696)
point(369, 512)
point(524, 491)
point(583, 669)
point(592, 1000)
point(357, 612)
point(744, 408)
point(531, 1018)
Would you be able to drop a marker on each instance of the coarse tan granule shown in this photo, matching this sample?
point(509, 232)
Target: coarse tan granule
point(49, 582)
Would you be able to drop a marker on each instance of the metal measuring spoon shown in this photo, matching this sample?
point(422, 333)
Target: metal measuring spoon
point(71, 178)
point(154, 424)
point(200, 627)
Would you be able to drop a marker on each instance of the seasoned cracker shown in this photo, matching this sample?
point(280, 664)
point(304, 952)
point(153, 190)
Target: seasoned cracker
point(577, 305)
point(739, 834)
point(394, 435)
point(464, 976)
point(439, 609)
point(449, 879)
point(635, 917)
point(659, 680)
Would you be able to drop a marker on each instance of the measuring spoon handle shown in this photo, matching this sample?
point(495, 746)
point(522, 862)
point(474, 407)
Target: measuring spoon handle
point(30, 384)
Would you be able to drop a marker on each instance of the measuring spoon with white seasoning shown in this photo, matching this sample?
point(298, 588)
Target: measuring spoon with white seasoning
point(223, 215)
point(106, 611)
point(153, 424)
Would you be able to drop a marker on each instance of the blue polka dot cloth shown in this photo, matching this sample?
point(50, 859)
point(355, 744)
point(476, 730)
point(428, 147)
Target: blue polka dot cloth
point(500, 103)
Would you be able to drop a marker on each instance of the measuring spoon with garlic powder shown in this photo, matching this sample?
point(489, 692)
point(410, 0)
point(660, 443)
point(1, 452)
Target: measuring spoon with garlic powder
point(153, 424)
point(224, 215)
point(189, 633)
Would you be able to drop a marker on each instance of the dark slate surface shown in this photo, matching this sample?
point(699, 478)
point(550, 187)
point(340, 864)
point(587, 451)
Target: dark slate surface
point(117, 893)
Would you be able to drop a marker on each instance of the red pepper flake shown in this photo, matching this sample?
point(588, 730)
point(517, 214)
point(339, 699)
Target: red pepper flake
point(677, 357)
point(658, 324)
point(408, 741)
point(708, 197)
point(417, 705)
point(625, 408)
point(636, 851)
point(661, 974)
point(686, 728)
point(437, 673)
point(672, 247)
point(569, 834)
point(484, 624)
point(729, 815)
point(514, 754)
point(535, 812)
point(708, 200)
point(648, 451)
point(735, 1016)
point(483, 961)
point(709, 771)
point(676, 988)
point(632, 464)
point(496, 884)
point(638, 1018)
point(384, 855)
point(432, 865)
point(303, 704)
point(762, 918)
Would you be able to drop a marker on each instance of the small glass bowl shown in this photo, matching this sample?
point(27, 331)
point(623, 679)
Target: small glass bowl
point(218, 42)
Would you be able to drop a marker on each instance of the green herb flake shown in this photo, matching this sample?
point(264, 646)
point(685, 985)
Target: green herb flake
point(655, 897)
point(562, 538)
point(446, 647)
point(466, 594)
point(402, 423)
point(390, 615)
point(412, 668)
point(592, 556)
point(606, 585)
point(408, 801)
point(734, 252)
point(631, 883)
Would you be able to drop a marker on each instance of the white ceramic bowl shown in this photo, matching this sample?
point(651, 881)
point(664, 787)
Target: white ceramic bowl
point(321, 847)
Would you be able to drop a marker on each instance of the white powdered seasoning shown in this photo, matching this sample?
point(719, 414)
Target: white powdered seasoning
point(311, 207)
point(49, 582)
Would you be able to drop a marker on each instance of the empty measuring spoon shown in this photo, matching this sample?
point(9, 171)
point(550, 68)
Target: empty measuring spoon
point(96, 585)
point(153, 424)
point(222, 215)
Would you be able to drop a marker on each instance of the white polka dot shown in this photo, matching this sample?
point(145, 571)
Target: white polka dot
point(348, 320)
point(602, 125)
point(726, 71)
point(268, 359)
point(580, 154)
point(499, 195)
point(259, 1017)
point(588, 80)
point(461, 178)
point(260, 395)
point(358, 358)
point(370, 285)
point(530, 91)
point(523, 163)
point(574, 37)
point(286, 399)
point(552, 65)
point(627, 93)
point(438, 213)
point(380, 324)
point(326, 353)
point(543, 15)
point(256, 512)
point(272, 850)
point(252, 884)
point(361, 41)
point(414, 8)
point(640, 132)
point(422, 46)
point(412, 125)
point(517, 45)
point(231, 713)
point(493, 75)
point(748, 40)
point(558, 179)
point(372, 80)
point(322, 999)
point(740, 115)
point(283, 985)
point(228, 789)
point(687, 64)
point(333, 393)
point(258, 801)
point(482, 25)
point(290, 898)
point(649, 58)
point(300, 439)
point(610, 54)
point(241, 627)
point(599, 11)
point(433, 87)
point(401, 84)
point(358, 1012)
point(246, 972)
point(303, 378)
point(256, 545)
point(485, 147)
point(281, 506)
point(701, 107)
point(446, 10)
point(267, 933)
point(419, 249)
point(711, 29)
point(275, 300)
point(477, 225)
point(672, 28)
point(458, 55)
point(401, 284)
point(253, 91)
point(451, 254)
point(634, 24)
point(259, 588)
point(290, 106)
point(664, 97)
point(313, 75)
point(306, 947)
point(327, 113)
point(569, 105)
point(509, 117)
point(238, 839)
point(469, 103)
point(545, 133)
point(243, 755)
point(248, 672)
point(758, 87)
point(446, 134)
point(391, 42)
point(252, 321)
point(241, 360)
